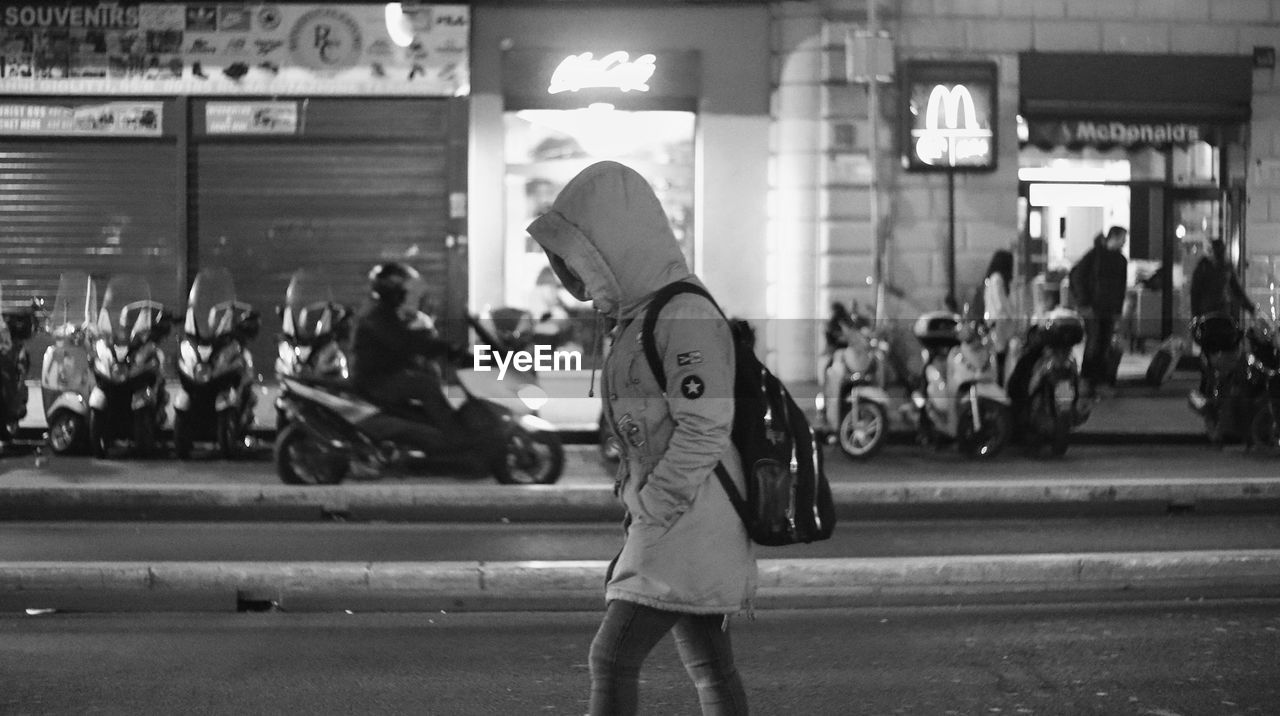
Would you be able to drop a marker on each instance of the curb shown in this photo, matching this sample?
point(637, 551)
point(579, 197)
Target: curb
point(571, 586)
point(596, 503)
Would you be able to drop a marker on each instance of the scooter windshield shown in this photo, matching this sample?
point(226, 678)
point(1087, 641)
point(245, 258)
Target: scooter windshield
point(128, 314)
point(309, 309)
point(212, 309)
point(76, 304)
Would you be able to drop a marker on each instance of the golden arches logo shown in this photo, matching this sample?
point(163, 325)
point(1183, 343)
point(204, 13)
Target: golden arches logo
point(952, 133)
point(951, 102)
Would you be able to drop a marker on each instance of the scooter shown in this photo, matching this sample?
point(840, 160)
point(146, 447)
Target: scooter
point(313, 329)
point(854, 402)
point(15, 330)
point(66, 376)
point(129, 399)
point(1044, 385)
point(216, 399)
point(1262, 371)
point(959, 399)
point(1223, 398)
point(332, 432)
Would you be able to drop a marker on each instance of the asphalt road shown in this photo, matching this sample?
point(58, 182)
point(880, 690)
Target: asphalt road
point(1141, 659)
point(381, 542)
point(897, 463)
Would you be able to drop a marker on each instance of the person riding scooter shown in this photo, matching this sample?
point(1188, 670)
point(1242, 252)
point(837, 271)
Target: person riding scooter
point(391, 336)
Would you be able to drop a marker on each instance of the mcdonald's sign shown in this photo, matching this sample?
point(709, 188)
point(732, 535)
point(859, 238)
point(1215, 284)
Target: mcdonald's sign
point(949, 118)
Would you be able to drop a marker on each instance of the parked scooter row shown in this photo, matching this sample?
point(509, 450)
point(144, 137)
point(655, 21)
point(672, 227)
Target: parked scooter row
point(957, 398)
point(104, 383)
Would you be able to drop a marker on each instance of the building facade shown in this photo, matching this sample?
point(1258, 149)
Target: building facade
point(839, 179)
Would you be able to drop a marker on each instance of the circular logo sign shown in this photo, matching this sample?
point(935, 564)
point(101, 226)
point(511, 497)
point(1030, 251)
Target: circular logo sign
point(325, 39)
point(269, 17)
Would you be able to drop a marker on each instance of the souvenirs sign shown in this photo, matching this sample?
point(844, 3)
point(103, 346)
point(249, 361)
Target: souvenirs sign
point(225, 49)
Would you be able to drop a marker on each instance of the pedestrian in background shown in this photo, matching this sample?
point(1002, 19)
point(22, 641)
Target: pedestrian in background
point(1215, 285)
point(1098, 282)
point(996, 308)
point(686, 563)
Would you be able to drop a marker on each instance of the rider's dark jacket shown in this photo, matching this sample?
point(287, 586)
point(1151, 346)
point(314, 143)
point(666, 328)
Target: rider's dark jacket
point(385, 345)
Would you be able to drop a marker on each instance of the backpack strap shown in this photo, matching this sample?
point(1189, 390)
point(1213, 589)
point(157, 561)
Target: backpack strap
point(647, 341)
point(656, 304)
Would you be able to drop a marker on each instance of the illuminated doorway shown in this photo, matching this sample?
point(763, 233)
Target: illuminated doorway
point(545, 148)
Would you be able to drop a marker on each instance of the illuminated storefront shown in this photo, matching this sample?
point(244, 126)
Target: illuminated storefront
point(681, 95)
point(1152, 143)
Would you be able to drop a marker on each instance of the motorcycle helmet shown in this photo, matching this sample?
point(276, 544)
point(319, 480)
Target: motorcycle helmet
point(388, 283)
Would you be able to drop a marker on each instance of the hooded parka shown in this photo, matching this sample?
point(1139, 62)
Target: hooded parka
point(686, 549)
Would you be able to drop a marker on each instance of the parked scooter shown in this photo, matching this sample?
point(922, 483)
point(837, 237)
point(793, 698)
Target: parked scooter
point(129, 399)
point(66, 374)
point(854, 403)
point(1262, 366)
point(216, 399)
point(1044, 386)
point(1222, 399)
point(332, 432)
point(313, 329)
point(959, 399)
point(15, 330)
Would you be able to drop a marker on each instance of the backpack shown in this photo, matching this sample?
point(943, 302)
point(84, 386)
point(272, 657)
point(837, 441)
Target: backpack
point(788, 498)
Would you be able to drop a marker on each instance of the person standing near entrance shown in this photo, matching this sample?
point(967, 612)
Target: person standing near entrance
point(1098, 282)
point(686, 563)
point(1215, 286)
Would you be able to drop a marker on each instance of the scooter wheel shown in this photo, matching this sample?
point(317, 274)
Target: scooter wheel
point(861, 435)
point(530, 458)
point(98, 433)
point(302, 460)
point(994, 427)
point(144, 434)
point(182, 440)
point(68, 432)
point(228, 434)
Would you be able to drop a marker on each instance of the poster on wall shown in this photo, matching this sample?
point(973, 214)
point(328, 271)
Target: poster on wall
point(115, 119)
point(233, 49)
point(949, 121)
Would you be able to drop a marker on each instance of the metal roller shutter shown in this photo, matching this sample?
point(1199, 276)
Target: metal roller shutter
point(101, 207)
point(265, 209)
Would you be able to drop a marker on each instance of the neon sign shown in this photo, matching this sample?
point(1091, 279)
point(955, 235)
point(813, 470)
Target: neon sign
point(950, 117)
point(615, 70)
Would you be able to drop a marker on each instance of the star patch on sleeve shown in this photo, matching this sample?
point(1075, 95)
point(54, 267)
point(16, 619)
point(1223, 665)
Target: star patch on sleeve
point(692, 387)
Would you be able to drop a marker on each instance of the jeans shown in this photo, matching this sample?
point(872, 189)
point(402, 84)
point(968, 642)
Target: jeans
point(1097, 341)
point(627, 635)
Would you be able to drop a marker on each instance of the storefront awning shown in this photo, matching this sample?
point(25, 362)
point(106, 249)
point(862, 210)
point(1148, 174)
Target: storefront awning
point(1133, 100)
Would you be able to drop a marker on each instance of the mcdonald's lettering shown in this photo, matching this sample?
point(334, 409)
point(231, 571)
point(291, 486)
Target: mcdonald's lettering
point(952, 132)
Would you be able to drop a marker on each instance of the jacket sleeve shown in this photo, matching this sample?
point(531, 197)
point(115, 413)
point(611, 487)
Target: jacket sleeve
point(1240, 295)
point(697, 349)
